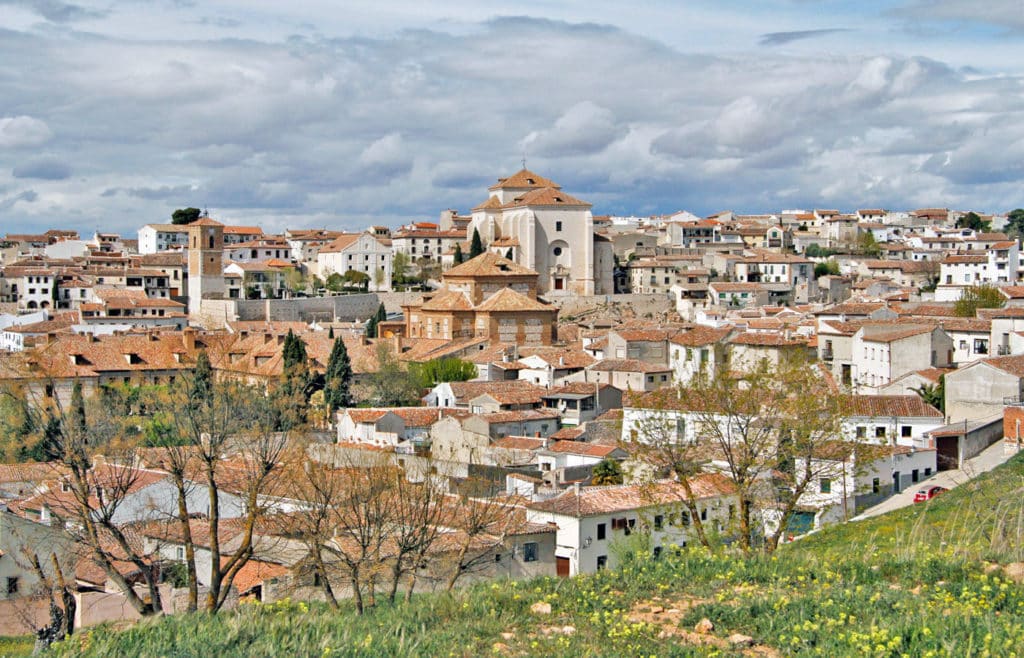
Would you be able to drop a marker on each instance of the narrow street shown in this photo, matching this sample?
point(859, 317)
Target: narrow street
point(985, 461)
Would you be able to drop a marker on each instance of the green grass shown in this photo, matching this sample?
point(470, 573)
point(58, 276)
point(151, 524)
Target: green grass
point(15, 647)
point(883, 587)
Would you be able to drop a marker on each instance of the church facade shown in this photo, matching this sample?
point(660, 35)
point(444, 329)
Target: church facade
point(548, 231)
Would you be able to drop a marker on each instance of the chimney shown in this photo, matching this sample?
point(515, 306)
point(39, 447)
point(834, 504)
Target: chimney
point(188, 338)
point(561, 360)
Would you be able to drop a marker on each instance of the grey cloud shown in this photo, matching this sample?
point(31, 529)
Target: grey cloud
point(402, 127)
point(28, 196)
point(999, 13)
point(56, 11)
point(44, 168)
point(780, 38)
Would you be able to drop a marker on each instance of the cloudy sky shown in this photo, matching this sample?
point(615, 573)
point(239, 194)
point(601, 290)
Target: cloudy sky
point(346, 114)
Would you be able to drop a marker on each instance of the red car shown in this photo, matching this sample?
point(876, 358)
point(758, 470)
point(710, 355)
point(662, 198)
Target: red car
point(927, 494)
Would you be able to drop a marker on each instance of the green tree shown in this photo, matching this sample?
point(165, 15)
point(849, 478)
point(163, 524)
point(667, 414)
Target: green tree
point(974, 222)
point(476, 247)
point(400, 268)
point(392, 385)
point(338, 377)
point(185, 215)
point(295, 280)
point(975, 297)
point(867, 245)
point(828, 267)
point(817, 251)
point(458, 253)
point(448, 369)
point(1015, 223)
point(293, 353)
point(335, 282)
point(356, 279)
point(607, 471)
point(934, 394)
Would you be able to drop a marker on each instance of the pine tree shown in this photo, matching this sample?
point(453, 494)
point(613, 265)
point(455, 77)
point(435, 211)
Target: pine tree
point(294, 351)
point(338, 378)
point(330, 332)
point(476, 247)
point(458, 253)
point(202, 379)
point(381, 315)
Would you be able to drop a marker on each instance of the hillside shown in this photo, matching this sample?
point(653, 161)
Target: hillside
point(909, 583)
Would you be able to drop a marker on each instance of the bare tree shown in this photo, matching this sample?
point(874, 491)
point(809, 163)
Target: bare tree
point(419, 516)
point(764, 428)
point(482, 523)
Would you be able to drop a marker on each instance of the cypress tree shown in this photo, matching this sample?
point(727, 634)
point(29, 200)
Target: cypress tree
point(330, 332)
point(458, 253)
point(476, 247)
point(338, 377)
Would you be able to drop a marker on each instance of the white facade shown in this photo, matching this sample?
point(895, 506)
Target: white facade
point(154, 238)
point(365, 254)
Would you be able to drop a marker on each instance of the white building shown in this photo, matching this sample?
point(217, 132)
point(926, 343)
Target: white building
point(358, 252)
point(590, 519)
point(154, 238)
point(553, 234)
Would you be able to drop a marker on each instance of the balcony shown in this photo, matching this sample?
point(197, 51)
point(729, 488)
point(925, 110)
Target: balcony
point(1003, 350)
point(827, 355)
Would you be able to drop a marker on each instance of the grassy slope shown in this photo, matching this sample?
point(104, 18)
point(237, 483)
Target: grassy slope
point(909, 583)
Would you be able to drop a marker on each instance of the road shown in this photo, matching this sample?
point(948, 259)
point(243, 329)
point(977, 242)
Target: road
point(988, 459)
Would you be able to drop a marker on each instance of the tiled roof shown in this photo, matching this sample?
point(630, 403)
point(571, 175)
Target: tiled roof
point(519, 416)
point(1011, 364)
point(508, 300)
point(767, 339)
point(524, 178)
point(581, 448)
point(877, 406)
point(518, 443)
point(701, 335)
point(546, 196)
point(890, 333)
point(448, 300)
point(627, 365)
point(465, 391)
point(592, 501)
point(488, 264)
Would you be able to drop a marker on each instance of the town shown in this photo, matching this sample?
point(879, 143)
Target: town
point(204, 413)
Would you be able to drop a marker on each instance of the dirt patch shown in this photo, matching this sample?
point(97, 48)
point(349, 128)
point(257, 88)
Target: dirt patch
point(667, 615)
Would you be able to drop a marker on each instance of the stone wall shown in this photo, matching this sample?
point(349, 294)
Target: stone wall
point(215, 312)
point(634, 305)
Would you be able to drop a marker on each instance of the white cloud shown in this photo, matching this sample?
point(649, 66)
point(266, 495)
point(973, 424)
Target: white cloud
point(23, 131)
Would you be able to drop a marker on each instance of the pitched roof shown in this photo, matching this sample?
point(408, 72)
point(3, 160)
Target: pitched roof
point(592, 501)
point(581, 448)
point(546, 196)
point(506, 300)
point(524, 178)
point(1011, 364)
point(488, 264)
point(628, 365)
point(877, 406)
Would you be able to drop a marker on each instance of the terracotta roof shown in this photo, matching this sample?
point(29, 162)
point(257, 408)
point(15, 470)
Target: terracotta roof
point(513, 395)
point(491, 202)
point(701, 335)
point(448, 300)
point(524, 178)
point(254, 572)
point(569, 434)
point(546, 196)
point(890, 333)
point(1011, 364)
point(852, 308)
point(465, 391)
point(488, 264)
point(508, 300)
point(627, 365)
point(876, 406)
point(519, 443)
point(581, 448)
point(765, 339)
point(518, 416)
point(592, 501)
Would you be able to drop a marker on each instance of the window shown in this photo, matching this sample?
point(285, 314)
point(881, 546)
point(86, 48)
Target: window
point(879, 432)
point(825, 485)
point(12, 584)
point(558, 228)
point(905, 431)
point(915, 475)
point(659, 521)
point(179, 553)
point(602, 531)
point(602, 562)
point(684, 518)
point(876, 486)
point(928, 471)
point(557, 251)
point(861, 432)
point(657, 552)
point(530, 552)
point(704, 514)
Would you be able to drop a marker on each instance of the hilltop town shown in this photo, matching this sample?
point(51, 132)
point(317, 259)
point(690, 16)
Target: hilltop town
point(204, 413)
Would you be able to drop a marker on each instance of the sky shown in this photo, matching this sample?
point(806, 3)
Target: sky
point(346, 114)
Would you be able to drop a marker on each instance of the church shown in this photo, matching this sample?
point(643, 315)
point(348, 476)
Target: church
point(546, 231)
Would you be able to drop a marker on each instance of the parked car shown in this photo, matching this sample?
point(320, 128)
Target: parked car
point(927, 494)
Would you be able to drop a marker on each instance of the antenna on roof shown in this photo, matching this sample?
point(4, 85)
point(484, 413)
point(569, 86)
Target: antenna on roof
point(206, 212)
point(524, 158)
